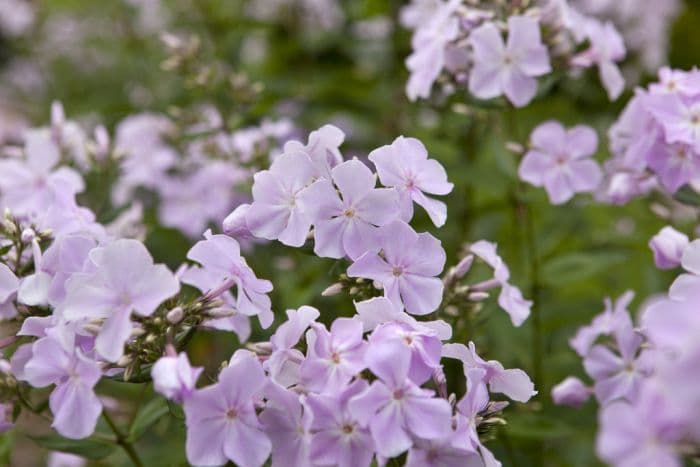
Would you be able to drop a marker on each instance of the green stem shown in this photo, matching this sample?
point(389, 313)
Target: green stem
point(537, 344)
point(122, 441)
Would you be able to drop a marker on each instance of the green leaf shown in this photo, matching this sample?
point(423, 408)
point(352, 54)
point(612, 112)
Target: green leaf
point(147, 416)
point(687, 195)
point(90, 448)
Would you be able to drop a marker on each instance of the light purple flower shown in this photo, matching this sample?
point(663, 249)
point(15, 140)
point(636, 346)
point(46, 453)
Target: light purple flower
point(514, 383)
point(668, 246)
point(407, 269)
point(334, 357)
point(441, 453)
point(221, 421)
point(220, 256)
point(345, 221)
point(430, 43)
point(394, 407)
point(508, 68)
point(571, 392)
point(338, 437)
point(275, 213)
point(423, 345)
point(618, 376)
point(284, 362)
point(675, 164)
point(380, 310)
point(606, 48)
point(73, 402)
point(174, 377)
point(404, 165)
point(560, 161)
point(322, 148)
point(30, 185)
point(615, 315)
point(638, 435)
point(469, 410)
point(679, 117)
point(64, 257)
point(510, 298)
point(288, 425)
point(124, 280)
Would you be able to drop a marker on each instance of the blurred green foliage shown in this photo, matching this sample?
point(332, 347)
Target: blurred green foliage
point(584, 250)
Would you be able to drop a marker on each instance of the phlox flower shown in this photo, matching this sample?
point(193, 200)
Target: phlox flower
point(424, 346)
point(122, 280)
point(606, 48)
point(508, 68)
point(334, 357)
point(675, 164)
point(404, 165)
point(284, 361)
point(322, 148)
point(288, 425)
point(395, 408)
point(220, 257)
point(29, 186)
point(618, 376)
point(406, 269)
point(64, 257)
point(73, 402)
point(345, 220)
point(221, 421)
point(679, 117)
point(615, 315)
point(338, 436)
point(379, 310)
point(639, 434)
point(560, 161)
point(514, 383)
point(275, 213)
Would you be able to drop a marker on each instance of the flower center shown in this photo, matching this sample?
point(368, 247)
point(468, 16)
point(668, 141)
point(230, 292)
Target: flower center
point(349, 212)
point(397, 271)
point(231, 414)
point(348, 429)
point(335, 357)
point(398, 394)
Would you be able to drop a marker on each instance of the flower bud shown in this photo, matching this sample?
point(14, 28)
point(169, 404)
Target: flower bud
point(477, 296)
point(235, 224)
point(668, 246)
point(571, 392)
point(463, 267)
point(28, 235)
point(175, 315)
point(332, 290)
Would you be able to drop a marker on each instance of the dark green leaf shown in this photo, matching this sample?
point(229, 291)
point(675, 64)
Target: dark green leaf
point(147, 416)
point(90, 448)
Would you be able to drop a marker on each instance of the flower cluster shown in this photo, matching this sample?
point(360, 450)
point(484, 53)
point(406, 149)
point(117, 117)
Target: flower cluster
point(90, 304)
point(498, 49)
point(656, 139)
point(358, 392)
point(646, 372)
